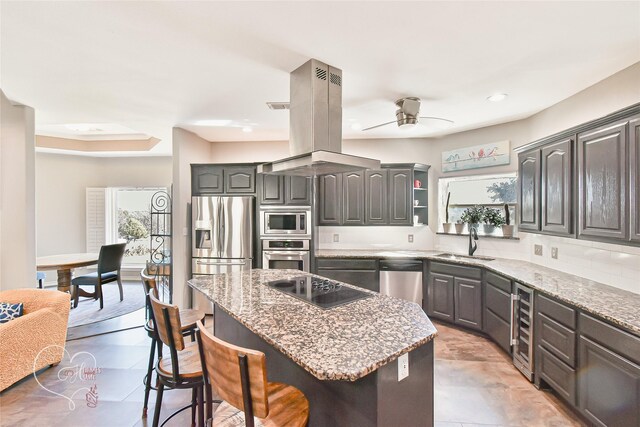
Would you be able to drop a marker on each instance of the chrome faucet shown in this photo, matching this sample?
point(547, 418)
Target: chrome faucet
point(473, 235)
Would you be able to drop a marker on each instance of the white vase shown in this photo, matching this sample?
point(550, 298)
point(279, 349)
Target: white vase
point(447, 227)
point(507, 230)
point(459, 228)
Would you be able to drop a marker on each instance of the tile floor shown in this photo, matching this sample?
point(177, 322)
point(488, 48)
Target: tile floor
point(475, 384)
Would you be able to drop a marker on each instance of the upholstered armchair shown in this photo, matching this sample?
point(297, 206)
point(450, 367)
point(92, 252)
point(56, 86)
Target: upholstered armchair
point(39, 333)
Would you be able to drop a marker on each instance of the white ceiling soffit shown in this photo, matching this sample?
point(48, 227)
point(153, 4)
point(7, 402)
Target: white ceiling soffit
point(150, 66)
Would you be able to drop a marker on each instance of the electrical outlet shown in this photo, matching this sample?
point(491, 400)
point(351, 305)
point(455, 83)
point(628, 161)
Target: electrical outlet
point(554, 253)
point(410, 238)
point(403, 366)
point(336, 238)
point(537, 249)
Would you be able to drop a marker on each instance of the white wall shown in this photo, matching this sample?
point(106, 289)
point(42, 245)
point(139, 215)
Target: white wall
point(17, 201)
point(187, 148)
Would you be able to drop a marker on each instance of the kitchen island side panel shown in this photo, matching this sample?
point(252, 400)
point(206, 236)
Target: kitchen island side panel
point(377, 399)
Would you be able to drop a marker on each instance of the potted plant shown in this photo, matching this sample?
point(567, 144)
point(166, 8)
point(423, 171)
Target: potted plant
point(507, 228)
point(447, 226)
point(473, 215)
point(492, 218)
point(459, 226)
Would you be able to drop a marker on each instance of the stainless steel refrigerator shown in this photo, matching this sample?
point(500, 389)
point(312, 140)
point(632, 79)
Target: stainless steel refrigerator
point(222, 238)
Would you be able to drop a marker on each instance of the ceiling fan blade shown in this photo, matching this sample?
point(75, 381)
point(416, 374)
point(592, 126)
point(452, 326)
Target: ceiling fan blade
point(380, 125)
point(436, 118)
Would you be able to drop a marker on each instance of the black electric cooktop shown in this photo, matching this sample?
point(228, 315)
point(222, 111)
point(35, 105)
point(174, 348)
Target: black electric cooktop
point(323, 293)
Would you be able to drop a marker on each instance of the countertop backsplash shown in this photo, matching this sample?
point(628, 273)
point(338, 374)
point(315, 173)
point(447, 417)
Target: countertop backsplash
point(378, 237)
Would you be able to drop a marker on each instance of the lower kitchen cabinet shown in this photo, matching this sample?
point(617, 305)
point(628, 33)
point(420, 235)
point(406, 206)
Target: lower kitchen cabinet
point(359, 272)
point(440, 297)
point(497, 310)
point(468, 302)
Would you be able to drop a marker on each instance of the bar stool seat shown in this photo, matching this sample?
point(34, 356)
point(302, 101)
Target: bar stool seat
point(286, 403)
point(188, 360)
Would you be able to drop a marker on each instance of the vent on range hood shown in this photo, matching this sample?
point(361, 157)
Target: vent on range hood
point(315, 129)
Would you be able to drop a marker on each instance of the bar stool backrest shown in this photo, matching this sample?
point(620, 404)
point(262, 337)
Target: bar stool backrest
point(167, 323)
point(238, 375)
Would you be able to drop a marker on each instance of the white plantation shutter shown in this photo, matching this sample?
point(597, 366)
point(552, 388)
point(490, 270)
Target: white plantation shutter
point(96, 219)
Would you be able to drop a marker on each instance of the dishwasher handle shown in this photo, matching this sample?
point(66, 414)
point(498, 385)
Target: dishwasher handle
point(401, 265)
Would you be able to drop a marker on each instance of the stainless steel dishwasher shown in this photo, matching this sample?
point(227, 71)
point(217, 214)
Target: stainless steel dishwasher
point(402, 278)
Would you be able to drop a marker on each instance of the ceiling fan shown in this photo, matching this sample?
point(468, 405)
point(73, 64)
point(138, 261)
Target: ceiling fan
point(407, 114)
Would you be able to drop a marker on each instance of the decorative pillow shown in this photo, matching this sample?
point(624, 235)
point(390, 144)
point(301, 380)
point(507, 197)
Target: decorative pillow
point(10, 311)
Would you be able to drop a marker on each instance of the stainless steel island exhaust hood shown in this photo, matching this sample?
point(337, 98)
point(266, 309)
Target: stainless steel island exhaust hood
point(315, 126)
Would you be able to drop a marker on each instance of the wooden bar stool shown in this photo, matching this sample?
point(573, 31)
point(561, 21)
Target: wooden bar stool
point(182, 368)
point(239, 376)
point(188, 319)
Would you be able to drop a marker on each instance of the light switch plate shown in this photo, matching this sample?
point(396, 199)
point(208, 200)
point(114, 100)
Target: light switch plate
point(336, 238)
point(410, 238)
point(554, 253)
point(403, 366)
point(537, 249)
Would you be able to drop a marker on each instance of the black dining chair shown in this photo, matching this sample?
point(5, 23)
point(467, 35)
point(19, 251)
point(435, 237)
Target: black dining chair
point(109, 263)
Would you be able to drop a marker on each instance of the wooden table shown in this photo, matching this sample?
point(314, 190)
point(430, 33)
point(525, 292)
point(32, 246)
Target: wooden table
point(63, 264)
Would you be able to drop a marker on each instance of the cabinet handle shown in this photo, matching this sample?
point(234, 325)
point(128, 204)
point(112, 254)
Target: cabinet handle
point(512, 335)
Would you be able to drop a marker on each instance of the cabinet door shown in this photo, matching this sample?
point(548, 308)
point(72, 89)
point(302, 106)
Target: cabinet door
point(468, 302)
point(375, 194)
point(298, 190)
point(353, 198)
point(556, 187)
point(330, 199)
point(271, 189)
point(634, 178)
point(206, 179)
point(602, 182)
point(529, 190)
point(400, 200)
point(240, 180)
point(440, 296)
point(367, 279)
point(608, 386)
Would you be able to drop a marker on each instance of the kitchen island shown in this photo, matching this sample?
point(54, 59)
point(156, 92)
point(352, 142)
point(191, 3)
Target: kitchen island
point(344, 359)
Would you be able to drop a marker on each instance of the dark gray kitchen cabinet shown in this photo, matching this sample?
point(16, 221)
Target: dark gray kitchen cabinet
point(284, 190)
point(634, 179)
point(529, 190)
point(353, 198)
point(497, 309)
point(556, 187)
point(206, 179)
point(297, 190)
point(440, 295)
point(468, 303)
point(354, 271)
point(376, 191)
point(400, 197)
point(240, 179)
point(330, 199)
point(602, 176)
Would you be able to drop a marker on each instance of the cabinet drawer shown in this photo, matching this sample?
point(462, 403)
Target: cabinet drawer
point(350, 264)
point(615, 339)
point(498, 301)
point(557, 311)
point(499, 282)
point(557, 374)
point(557, 339)
point(498, 329)
point(456, 270)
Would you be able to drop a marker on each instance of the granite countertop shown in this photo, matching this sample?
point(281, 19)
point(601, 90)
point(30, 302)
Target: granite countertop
point(616, 305)
point(342, 343)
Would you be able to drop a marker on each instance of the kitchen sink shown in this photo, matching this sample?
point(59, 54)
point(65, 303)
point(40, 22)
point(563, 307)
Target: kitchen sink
point(456, 256)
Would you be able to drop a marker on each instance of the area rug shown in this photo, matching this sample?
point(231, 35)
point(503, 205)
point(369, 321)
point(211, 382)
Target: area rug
point(88, 310)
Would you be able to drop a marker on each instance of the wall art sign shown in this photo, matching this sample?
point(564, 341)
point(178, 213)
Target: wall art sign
point(478, 156)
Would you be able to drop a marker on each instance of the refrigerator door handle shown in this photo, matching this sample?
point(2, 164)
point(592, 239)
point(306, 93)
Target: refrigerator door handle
point(238, 262)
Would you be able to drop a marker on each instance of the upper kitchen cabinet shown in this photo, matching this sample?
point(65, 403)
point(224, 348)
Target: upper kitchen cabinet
point(400, 200)
point(634, 179)
point(602, 185)
point(330, 199)
point(529, 190)
point(376, 191)
point(284, 190)
point(353, 198)
point(240, 179)
point(207, 179)
point(556, 195)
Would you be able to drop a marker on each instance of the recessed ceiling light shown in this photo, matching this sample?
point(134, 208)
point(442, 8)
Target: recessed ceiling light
point(496, 97)
point(247, 129)
point(356, 126)
point(83, 127)
point(212, 122)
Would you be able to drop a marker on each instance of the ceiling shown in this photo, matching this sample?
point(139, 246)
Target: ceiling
point(149, 66)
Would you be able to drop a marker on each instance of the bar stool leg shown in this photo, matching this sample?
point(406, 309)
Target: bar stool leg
point(194, 402)
point(147, 385)
point(156, 414)
point(201, 406)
